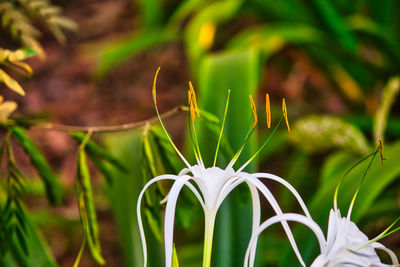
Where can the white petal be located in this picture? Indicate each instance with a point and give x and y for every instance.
(332, 230)
(271, 199)
(227, 189)
(138, 212)
(256, 220)
(283, 218)
(288, 186)
(195, 192)
(393, 256)
(184, 171)
(170, 215)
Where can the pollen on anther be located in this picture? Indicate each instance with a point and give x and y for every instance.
(284, 110)
(194, 99)
(253, 108)
(191, 106)
(268, 110)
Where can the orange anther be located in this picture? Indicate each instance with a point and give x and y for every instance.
(194, 99)
(268, 110)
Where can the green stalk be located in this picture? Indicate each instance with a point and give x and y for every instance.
(208, 238)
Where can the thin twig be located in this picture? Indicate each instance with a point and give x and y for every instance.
(103, 129)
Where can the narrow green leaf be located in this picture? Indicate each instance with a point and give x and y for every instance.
(52, 184)
(95, 150)
(167, 162)
(332, 21)
(21, 240)
(85, 187)
(152, 13)
(103, 167)
(125, 48)
(272, 38)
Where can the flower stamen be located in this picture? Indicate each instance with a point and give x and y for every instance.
(268, 110)
(162, 124)
(284, 110)
(222, 127)
(194, 100)
(253, 108)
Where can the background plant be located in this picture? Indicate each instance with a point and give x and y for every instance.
(335, 57)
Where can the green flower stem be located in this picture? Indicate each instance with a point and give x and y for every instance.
(208, 237)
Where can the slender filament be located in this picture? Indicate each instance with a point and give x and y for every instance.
(222, 128)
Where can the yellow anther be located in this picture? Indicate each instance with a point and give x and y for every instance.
(253, 108)
(191, 106)
(268, 110)
(284, 110)
(194, 99)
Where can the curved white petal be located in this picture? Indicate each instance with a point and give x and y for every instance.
(170, 215)
(283, 218)
(195, 192)
(184, 171)
(274, 204)
(227, 189)
(138, 210)
(393, 256)
(256, 220)
(288, 186)
(332, 229)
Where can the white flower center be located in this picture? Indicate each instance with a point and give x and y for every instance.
(211, 182)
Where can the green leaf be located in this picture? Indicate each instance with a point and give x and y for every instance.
(152, 13)
(39, 252)
(332, 21)
(94, 150)
(52, 184)
(124, 194)
(84, 187)
(114, 53)
(21, 239)
(165, 161)
(272, 38)
(321, 133)
(104, 168)
(239, 72)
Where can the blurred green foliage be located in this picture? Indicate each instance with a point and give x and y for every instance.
(355, 45)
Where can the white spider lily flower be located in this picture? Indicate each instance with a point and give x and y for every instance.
(346, 245)
(211, 186)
